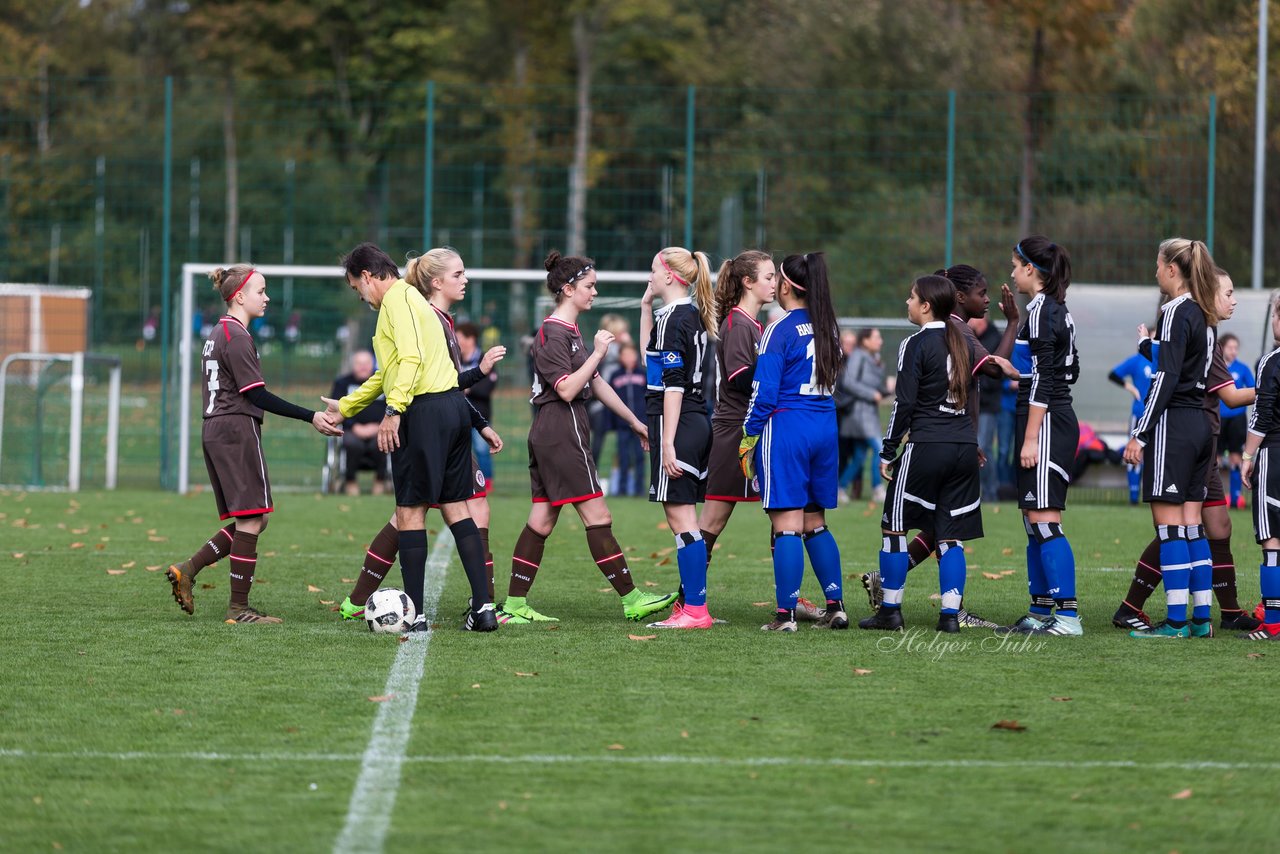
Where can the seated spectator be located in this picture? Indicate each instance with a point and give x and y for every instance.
(360, 433)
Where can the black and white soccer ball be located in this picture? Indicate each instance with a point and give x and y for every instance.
(389, 610)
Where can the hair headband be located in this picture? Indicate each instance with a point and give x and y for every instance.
(243, 282)
(578, 275)
(1024, 257)
(671, 271)
(791, 281)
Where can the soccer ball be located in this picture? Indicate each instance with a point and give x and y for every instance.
(389, 610)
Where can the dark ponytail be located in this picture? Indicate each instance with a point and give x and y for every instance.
(809, 274)
(1051, 261)
(940, 294)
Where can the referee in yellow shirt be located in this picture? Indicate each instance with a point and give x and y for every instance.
(427, 427)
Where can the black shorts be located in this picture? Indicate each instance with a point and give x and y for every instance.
(1176, 460)
(725, 481)
(1266, 495)
(1214, 496)
(561, 469)
(1044, 486)
(693, 452)
(433, 463)
(1234, 431)
(935, 487)
(232, 447)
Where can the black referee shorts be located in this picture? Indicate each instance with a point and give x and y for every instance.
(433, 463)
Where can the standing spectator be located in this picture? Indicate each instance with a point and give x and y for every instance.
(629, 382)
(480, 394)
(988, 408)
(864, 377)
(360, 432)
(1234, 419)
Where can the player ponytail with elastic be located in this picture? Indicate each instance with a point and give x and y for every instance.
(1198, 270)
(230, 281)
(940, 293)
(808, 276)
(693, 270)
(1051, 262)
(730, 281)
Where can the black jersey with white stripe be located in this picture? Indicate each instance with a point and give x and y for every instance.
(923, 403)
(676, 352)
(1182, 364)
(1264, 421)
(1047, 341)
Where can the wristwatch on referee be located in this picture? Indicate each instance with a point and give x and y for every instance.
(392, 412)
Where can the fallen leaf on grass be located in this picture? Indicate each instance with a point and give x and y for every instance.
(1007, 572)
(684, 733)
(19, 555)
(158, 539)
(1061, 699)
(663, 526)
(348, 581)
(862, 671)
(326, 601)
(935, 596)
(1180, 796)
(76, 546)
(311, 588)
(1254, 654)
(99, 547)
(664, 561)
(115, 572)
(1006, 552)
(130, 565)
(642, 637)
(762, 604)
(993, 576)
(403, 638)
(651, 584)
(604, 590)
(553, 628)
(207, 586)
(381, 698)
(615, 747)
(519, 673)
(475, 685)
(156, 567)
(1009, 725)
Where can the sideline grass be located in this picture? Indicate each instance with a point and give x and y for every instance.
(98, 665)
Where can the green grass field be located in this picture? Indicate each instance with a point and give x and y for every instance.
(128, 725)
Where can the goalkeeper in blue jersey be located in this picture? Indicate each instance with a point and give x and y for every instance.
(790, 437)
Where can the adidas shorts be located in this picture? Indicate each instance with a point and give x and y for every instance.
(1176, 460)
(1044, 486)
(797, 460)
(693, 452)
(1266, 496)
(935, 487)
(724, 474)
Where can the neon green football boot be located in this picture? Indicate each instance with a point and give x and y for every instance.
(348, 610)
(636, 605)
(517, 612)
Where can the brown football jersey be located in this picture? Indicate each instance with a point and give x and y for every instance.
(558, 351)
(1218, 377)
(735, 353)
(230, 366)
(450, 338)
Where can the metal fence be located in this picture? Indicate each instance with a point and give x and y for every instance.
(111, 184)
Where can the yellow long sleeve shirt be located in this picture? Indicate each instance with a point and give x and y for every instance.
(413, 357)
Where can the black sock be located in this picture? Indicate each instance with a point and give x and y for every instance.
(471, 553)
(413, 564)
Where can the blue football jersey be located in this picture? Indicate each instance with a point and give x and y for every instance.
(786, 374)
(1138, 369)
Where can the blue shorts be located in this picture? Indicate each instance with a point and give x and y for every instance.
(796, 460)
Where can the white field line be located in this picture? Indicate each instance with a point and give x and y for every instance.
(374, 797)
(659, 759)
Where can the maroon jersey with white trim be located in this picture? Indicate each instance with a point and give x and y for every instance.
(736, 352)
(450, 338)
(1217, 377)
(558, 351)
(229, 366)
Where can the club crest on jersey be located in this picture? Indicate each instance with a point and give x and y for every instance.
(672, 359)
(573, 348)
